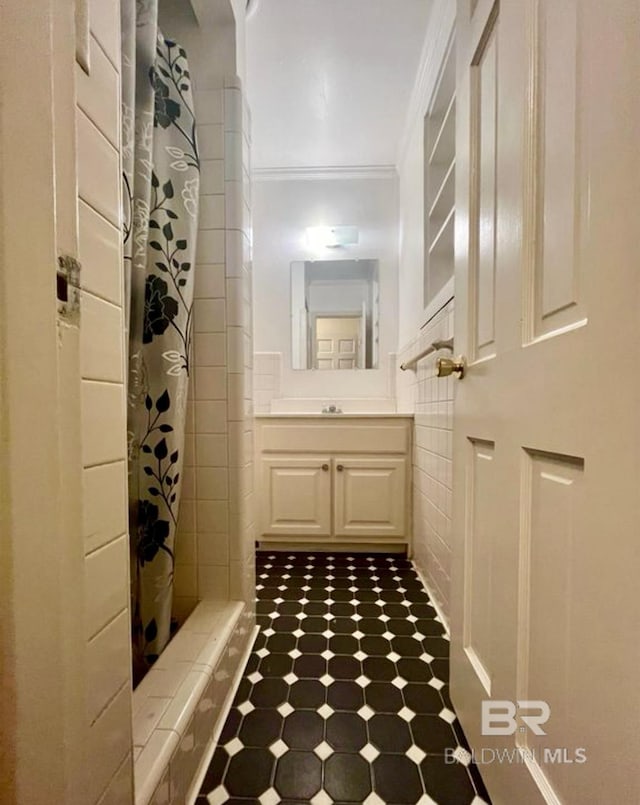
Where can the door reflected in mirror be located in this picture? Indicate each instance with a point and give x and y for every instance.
(335, 315)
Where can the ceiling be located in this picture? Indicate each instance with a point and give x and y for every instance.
(329, 81)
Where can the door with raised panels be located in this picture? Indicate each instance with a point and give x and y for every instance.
(545, 616)
(370, 497)
(296, 496)
(336, 342)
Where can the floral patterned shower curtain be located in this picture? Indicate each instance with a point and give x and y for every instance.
(161, 179)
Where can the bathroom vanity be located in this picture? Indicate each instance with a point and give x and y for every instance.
(334, 481)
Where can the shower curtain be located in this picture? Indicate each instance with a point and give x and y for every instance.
(161, 172)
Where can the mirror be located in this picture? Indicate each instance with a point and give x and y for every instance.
(335, 311)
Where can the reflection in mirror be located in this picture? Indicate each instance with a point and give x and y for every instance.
(335, 308)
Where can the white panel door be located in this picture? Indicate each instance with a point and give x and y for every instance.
(370, 497)
(296, 495)
(336, 342)
(547, 418)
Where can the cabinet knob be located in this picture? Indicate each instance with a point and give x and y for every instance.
(340, 467)
(325, 468)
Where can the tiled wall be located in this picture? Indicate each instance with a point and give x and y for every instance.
(214, 549)
(431, 400)
(268, 396)
(108, 661)
(267, 380)
(179, 704)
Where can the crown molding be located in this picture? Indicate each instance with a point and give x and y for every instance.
(324, 173)
(437, 41)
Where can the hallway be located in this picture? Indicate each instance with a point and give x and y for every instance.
(345, 695)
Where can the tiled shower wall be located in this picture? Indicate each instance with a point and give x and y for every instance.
(431, 400)
(215, 543)
(267, 380)
(106, 583)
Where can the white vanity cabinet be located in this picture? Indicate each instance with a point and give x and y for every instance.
(343, 479)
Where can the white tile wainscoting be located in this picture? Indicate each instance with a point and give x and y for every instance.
(430, 399)
(214, 556)
(271, 397)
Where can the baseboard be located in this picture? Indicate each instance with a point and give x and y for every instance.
(441, 616)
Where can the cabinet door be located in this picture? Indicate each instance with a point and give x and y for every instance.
(370, 497)
(296, 496)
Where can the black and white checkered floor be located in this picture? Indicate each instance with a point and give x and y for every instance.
(345, 697)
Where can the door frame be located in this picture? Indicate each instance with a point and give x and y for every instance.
(42, 641)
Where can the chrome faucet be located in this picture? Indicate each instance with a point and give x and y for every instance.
(331, 409)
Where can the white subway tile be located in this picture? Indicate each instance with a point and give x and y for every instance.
(233, 156)
(209, 282)
(106, 584)
(148, 712)
(213, 549)
(233, 110)
(98, 171)
(213, 483)
(162, 794)
(234, 204)
(213, 581)
(212, 515)
(209, 316)
(100, 255)
(152, 762)
(108, 664)
(211, 383)
(212, 213)
(101, 340)
(209, 106)
(183, 704)
(184, 761)
(104, 20)
(187, 517)
(211, 176)
(185, 550)
(234, 245)
(98, 94)
(185, 580)
(189, 449)
(235, 303)
(164, 682)
(210, 350)
(235, 349)
(211, 451)
(120, 788)
(104, 503)
(211, 416)
(237, 385)
(211, 142)
(103, 422)
(108, 744)
(211, 246)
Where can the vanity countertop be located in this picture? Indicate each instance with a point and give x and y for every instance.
(367, 415)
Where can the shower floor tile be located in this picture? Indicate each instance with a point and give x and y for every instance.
(345, 697)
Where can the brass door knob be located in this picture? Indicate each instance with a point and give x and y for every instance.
(451, 366)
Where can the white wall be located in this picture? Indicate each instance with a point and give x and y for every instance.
(281, 212)
(430, 399)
